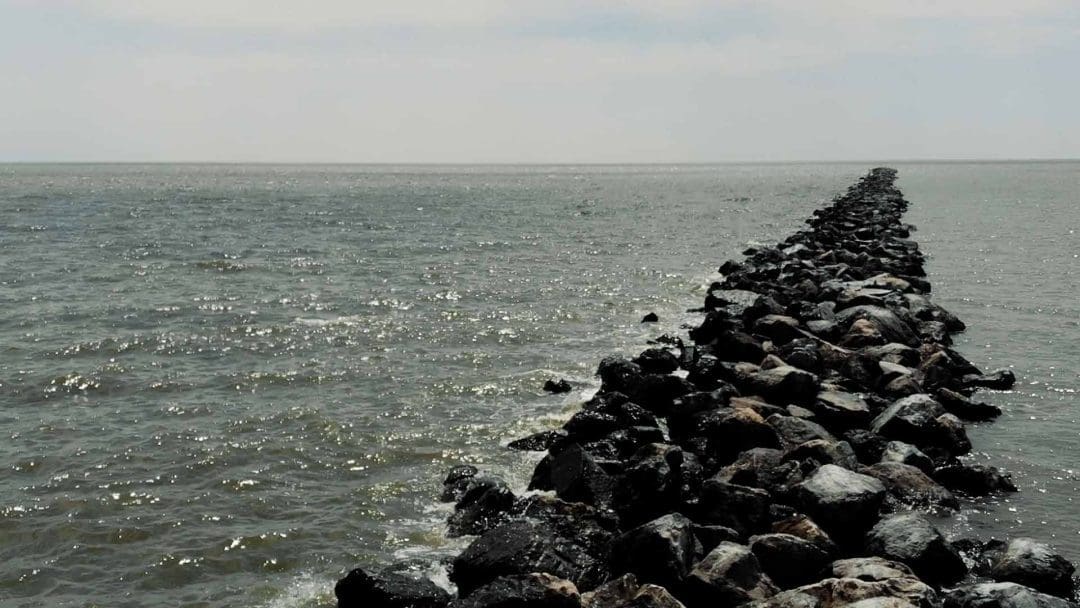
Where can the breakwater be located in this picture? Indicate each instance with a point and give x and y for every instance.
(782, 456)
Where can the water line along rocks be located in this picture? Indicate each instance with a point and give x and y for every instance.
(786, 456)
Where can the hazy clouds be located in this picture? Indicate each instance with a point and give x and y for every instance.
(487, 81)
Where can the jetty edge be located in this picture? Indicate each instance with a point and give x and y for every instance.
(786, 455)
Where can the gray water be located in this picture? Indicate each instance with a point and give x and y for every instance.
(228, 385)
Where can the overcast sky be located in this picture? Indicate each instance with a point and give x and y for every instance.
(542, 81)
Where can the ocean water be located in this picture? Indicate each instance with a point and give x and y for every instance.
(228, 385)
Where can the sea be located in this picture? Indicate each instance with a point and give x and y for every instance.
(228, 385)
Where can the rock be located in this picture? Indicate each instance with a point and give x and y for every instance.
(522, 547)
(619, 375)
(1001, 595)
(718, 436)
(613, 593)
(910, 486)
(844, 592)
(900, 354)
(780, 329)
(911, 539)
(660, 551)
(535, 590)
(650, 318)
(1036, 565)
(805, 528)
(728, 576)
(457, 481)
(843, 502)
(657, 361)
(538, 442)
(1001, 380)
(360, 589)
(868, 445)
(824, 452)
(757, 468)
(789, 561)
(483, 504)
(709, 536)
(783, 384)
(973, 479)
(913, 420)
(651, 485)
(955, 435)
(560, 386)
(869, 569)
(905, 453)
(653, 596)
(964, 408)
(885, 321)
(741, 508)
(841, 409)
(793, 431)
(587, 526)
(578, 478)
(738, 346)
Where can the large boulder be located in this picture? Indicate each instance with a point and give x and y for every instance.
(869, 569)
(729, 575)
(845, 592)
(891, 327)
(535, 590)
(577, 477)
(905, 453)
(651, 485)
(910, 486)
(910, 538)
(523, 547)
(964, 407)
(845, 410)
(789, 561)
(718, 436)
(914, 420)
(794, 431)
(483, 504)
(783, 384)
(362, 589)
(1002, 595)
(973, 479)
(1036, 565)
(741, 508)
(660, 551)
(803, 527)
(844, 502)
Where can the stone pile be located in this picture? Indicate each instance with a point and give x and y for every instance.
(787, 455)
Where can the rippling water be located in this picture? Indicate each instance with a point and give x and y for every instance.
(226, 385)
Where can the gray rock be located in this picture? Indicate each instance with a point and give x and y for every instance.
(789, 561)
(910, 538)
(905, 453)
(1002, 595)
(869, 569)
(842, 409)
(884, 320)
(1036, 565)
(728, 576)
(660, 551)
(794, 431)
(843, 592)
(803, 527)
(824, 452)
(912, 487)
(842, 501)
(913, 420)
(652, 596)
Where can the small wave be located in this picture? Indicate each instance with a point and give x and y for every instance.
(222, 265)
(305, 591)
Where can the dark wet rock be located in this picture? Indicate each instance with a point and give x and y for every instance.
(1001, 595)
(656, 393)
(793, 431)
(522, 547)
(845, 592)
(955, 435)
(843, 502)
(869, 569)
(905, 453)
(842, 409)
(973, 479)
(825, 329)
(912, 487)
(650, 318)
(902, 386)
(824, 452)
(784, 384)
(805, 528)
(923, 309)
(589, 527)
(755, 467)
(709, 536)
(933, 331)
(613, 593)
(657, 361)
(718, 436)
(651, 485)
(741, 508)
(701, 401)
(781, 329)
(660, 551)
(868, 445)
(891, 328)
(361, 589)
(560, 386)
(738, 346)
(965, 408)
(457, 481)
(910, 538)
(483, 504)
(913, 420)
(800, 412)
(802, 353)
(1001, 380)
(789, 561)
(577, 477)
(619, 374)
(538, 442)
(729, 575)
(535, 590)
(1033, 564)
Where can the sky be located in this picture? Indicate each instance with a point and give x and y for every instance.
(488, 81)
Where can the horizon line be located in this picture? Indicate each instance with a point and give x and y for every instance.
(541, 163)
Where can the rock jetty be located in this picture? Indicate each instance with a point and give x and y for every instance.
(787, 455)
